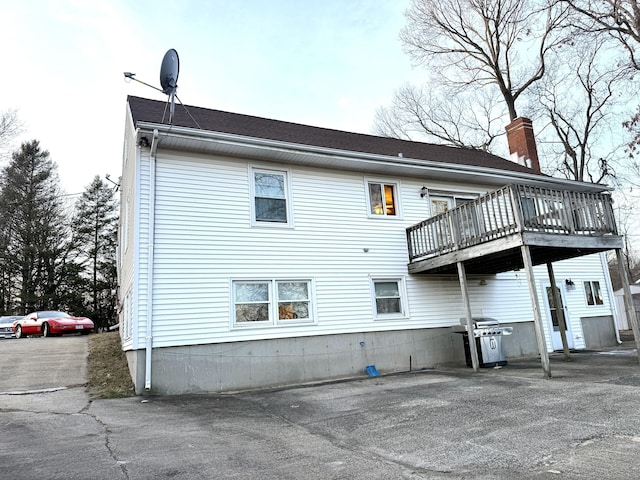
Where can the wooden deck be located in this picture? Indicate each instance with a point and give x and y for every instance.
(487, 233)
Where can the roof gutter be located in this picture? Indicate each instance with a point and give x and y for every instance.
(312, 155)
(152, 201)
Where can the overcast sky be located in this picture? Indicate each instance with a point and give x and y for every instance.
(328, 63)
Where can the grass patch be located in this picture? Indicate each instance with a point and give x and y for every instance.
(107, 370)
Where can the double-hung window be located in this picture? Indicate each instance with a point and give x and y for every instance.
(271, 202)
(389, 298)
(271, 302)
(383, 199)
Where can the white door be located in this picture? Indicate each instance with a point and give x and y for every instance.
(552, 317)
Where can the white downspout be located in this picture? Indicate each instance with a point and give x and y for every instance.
(612, 298)
(152, 203)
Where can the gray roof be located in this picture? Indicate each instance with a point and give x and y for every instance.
(154, 111)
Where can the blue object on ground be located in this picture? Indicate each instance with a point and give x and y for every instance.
(372, 371)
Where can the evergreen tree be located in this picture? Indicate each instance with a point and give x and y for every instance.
(95, 225)
(34, 233)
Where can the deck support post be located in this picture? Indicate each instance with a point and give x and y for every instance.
(557, 301)
(537, 318)
(473, 351)
(632, 318)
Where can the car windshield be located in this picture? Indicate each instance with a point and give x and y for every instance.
(52, 314)
(9, 319)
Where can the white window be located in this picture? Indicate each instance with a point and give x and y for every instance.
(124, 232)
(383, 199)
(440, 205)
(252, 301)
(593, 293)
(389, 298)
(271, 202)
(127, 315)
(271, 302)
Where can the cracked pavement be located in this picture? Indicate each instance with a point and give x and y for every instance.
(446, 423)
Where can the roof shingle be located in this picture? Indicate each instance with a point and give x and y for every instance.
(154, 111)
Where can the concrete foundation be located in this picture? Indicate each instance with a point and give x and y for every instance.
(291, 361)
(599, 331)
(251, 365)
(522, 343)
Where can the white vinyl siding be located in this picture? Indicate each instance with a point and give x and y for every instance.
(204, 239)
(134, 229)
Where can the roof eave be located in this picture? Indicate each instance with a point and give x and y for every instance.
(207, 141)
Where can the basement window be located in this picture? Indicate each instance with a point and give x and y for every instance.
(272, 302)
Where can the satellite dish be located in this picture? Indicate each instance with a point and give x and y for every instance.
(169, 71)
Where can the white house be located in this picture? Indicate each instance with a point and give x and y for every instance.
(258, 253)
(623, 322)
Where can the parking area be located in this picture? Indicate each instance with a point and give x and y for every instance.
(445, 423)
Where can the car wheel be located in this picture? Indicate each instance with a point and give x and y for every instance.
(18, 331)
(46, 331)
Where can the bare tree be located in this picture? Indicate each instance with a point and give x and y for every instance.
(619, 19)
(579, 101)
(482, 57)
(444, 115)
(479, 43)
(10, 128)
(627, 223)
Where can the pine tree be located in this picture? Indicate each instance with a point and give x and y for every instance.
(94, 225)
(34, 232)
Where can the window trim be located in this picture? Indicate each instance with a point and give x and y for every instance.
(286, 172)
(380, 181)
(402, 291)
(274, 320)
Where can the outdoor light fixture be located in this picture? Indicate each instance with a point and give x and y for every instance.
(569, 283)
(423, 191)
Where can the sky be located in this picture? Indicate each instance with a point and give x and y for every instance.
(328, 63)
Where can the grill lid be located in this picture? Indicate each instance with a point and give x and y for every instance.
(481, 322)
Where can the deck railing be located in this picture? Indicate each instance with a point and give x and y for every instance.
(512, 209)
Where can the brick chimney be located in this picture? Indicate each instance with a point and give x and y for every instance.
(522, 143)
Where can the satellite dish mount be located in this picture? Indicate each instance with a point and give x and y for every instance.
(169, 71)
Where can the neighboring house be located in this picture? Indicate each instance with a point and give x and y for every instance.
(623, 322)
(257, 253)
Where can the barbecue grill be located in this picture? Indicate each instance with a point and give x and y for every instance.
(488, 335)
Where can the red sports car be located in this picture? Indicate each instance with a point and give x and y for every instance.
(51, 323)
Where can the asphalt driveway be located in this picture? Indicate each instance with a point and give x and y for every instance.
(447, 423)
